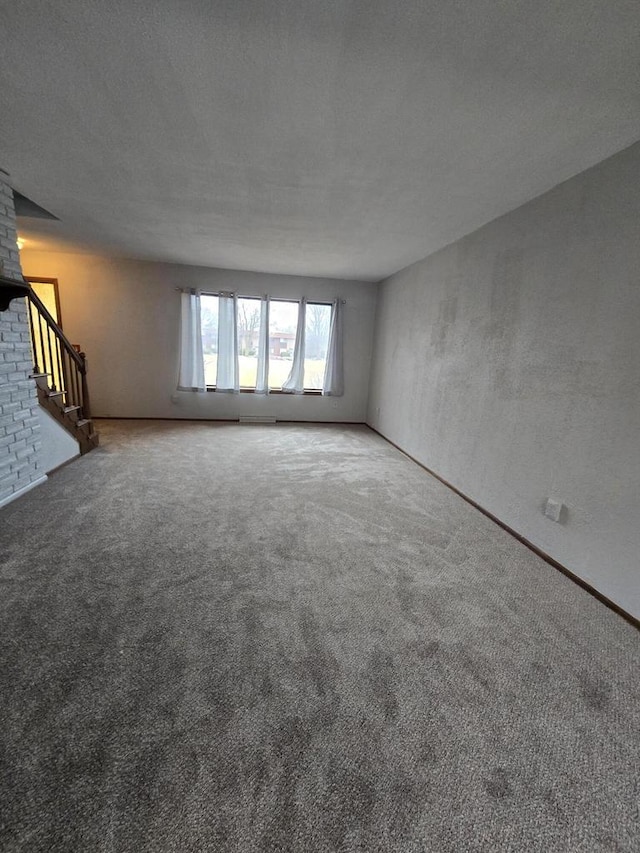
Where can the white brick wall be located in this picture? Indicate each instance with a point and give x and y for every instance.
(19, 425)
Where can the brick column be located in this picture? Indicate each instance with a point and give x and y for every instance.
(19, 424)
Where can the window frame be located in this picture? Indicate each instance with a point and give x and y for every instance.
(307, 392)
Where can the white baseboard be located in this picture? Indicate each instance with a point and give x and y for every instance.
(23, 490)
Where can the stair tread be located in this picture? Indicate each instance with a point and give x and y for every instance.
(83, 422)
(55, 394)
(69, 408)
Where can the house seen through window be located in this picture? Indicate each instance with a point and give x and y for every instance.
(283, 321)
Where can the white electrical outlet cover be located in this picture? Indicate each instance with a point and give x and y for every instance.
(553, 509)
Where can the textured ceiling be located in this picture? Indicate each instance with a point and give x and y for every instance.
(313, 137)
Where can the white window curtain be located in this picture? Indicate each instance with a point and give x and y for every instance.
(191, 370)
(228, 372)
(262, 378)
(294, 383)
(333, 384)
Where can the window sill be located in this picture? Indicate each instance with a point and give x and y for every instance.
(306, 393)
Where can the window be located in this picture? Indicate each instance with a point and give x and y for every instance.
(283, 323)
(209, 326)
(318, 322)
(248, 340)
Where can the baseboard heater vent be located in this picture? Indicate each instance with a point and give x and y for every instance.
(256, 419)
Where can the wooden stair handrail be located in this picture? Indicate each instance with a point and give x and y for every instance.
(57, 331)
(59, 371)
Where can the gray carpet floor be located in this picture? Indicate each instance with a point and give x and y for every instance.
(218, 637)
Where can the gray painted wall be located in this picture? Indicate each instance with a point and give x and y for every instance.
(509, 363)
(58, 446)
(125, 316)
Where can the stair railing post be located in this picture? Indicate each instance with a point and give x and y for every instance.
(86, 408)
(36, 367)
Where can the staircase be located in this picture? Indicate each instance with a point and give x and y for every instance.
(60, 373)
